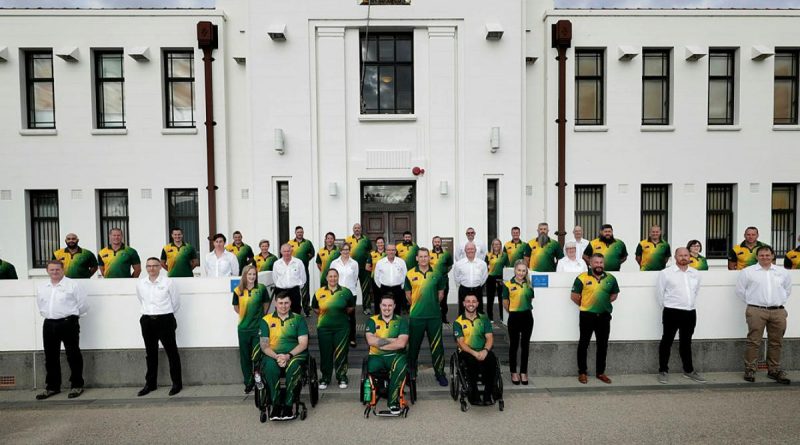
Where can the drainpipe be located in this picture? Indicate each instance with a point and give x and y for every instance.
(207, 39)
(562, 40)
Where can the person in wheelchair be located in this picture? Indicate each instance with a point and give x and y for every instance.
(284, 342)
(387, 337)
(473, 333)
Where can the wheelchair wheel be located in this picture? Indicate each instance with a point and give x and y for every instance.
(453, 392)
(303, 413)
(364, 376)
(498, 384)
(313, 382)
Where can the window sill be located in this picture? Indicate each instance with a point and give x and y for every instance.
(109, 131)
(179, 130)
(38, 131)
(37, 273)
(786, 128)
(387, 117)
(723, 128)
(656, 128)
(590, 129)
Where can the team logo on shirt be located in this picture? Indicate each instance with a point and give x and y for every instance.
(272, 325)
(464, 326)
(377, 327)
(415, 279)
(589, 283)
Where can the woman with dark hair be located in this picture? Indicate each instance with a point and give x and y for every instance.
(697, 261)
(517, 297)
(333, 305)
(220, 262)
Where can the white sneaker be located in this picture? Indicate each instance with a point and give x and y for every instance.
(323, 386)
(342, 385)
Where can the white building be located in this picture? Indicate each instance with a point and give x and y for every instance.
(442, 92)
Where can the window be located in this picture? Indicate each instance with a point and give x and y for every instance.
(589, 86)
(589, 208)
(655, 87)
(179, 88)
(44, 225)
(109, 81)
(721, 72)
(283, 211)
(491, 209)
(786, 79)
(39, 89)
(719, 220)
(113, 213)
(387, 73)
(655, 209)
(182, 212)
(784, 218)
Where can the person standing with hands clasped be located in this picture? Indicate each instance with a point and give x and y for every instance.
(250, 302)
(517, 300)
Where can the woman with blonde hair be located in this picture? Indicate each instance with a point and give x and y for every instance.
(250, 301)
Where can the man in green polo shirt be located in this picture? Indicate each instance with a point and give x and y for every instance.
(387, 337)
(78, 262)
(543, 252)
(265, 259)
(243, 252)
(424, 290)
(653, 253)
(613, 250)
(744, 254)
(360, 250)
(179, 258)
(516, 249)
(473, 333)
(118, 260)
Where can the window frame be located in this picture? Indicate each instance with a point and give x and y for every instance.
(795, 82)
(49, 243)
(169, 121)
(492, 209)
(107, 222)
(660, 192)
(99, 81)
(598, 214)
(177, 220)
(789, 214)
(730, 80)
(599, 53)
(30, 84)
(284, 230)
(363, 49)
(665, 78)
(726, 194)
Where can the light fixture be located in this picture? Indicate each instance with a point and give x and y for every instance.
(68, 53)
(333, 188)
(280, 143)
(695, 53)
(386, 79)
(277, 32)
(494, 139)
(139, 53)
(760, 52)
(442, 187)
(626, 53)
(241, 60)
(494, 31)
(3, 54)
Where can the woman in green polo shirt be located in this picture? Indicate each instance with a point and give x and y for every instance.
(250, 301)
(496, 260)
(696, 260)
(333, 304)
(517, 297)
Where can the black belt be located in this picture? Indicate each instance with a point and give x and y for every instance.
(468, 288)
(59, 320)
(389, 287)
(156, 317)
(771, 308)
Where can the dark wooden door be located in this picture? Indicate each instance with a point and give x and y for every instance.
(389, 225)
(388, 209)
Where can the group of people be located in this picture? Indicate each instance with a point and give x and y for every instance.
(416, 279)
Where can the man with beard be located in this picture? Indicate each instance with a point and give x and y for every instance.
(744, 254)
(480, 247)
(593, 292)
(442, 262)
(613, 250)
(243, 252)
(544, 252)
(473, 333)
(360, 250)
(516, 249)
(78, 262)
(470, 273)
(407, 250)
(325, 257)
(179, 258)
(303, 250)
(653, 253)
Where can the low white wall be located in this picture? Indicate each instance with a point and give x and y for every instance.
(206, 318)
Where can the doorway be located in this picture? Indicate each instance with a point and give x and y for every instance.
(388, 209)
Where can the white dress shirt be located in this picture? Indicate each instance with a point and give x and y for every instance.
(470, 273)
(480, 250)
(61, 300)
(390, 273)
(580, 247)
(226, 265)
(764, 287)
(158, 297)
(677, 289)
(567, 265)
(348, 273)
(287, 276)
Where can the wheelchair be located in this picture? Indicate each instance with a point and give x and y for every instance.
(379, 388)
(459, 384)
(308, 378)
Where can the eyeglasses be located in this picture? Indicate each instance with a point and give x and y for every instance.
(470, 233)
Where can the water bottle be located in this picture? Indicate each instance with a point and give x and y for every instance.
(259, 384)
(367, 390)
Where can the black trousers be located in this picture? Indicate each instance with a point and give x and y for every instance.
(494, 288)
(681, 322)
(463, 291)
(161, 328)
(520, 328)
(599, 325)
(486, 369)
(443, 302)
(400, 302)
(54, 332)
(294, 295)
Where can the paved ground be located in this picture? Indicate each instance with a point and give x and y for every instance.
(635, 409)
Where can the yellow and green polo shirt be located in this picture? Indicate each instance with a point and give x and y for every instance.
(790, 261)
(516, 251)
(396, 327)
(496, 263)
(7, 271)
(118, 264)
(424, 288)
(332, 307)
(654, 255)
(78, 264)
(519, 295)
(324, 259)
(408, 252)
(441, 262)
(251, 306)
(612, 253)
(179, 259)
(376, 256)
(699, 262)
(243, 253)
(595, 292)
(544, 258)
(283, 335)
(302, 250)
(743, 255)
(472, 331)
(265, 264)
(360, 249)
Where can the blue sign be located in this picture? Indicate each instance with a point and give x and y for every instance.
(234, 283)
(540, 280)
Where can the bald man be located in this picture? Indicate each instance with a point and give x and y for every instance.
(78, 262)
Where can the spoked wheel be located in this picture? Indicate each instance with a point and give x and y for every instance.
(453, 392)
(313, 382)
(464, 406)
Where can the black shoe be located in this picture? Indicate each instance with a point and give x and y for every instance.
(175, 389)
(353, 343)
(75, 392)
(749, 375)
(248, 388)
(779, 376)
(145, 391)
(275, 412)
(46, 394)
